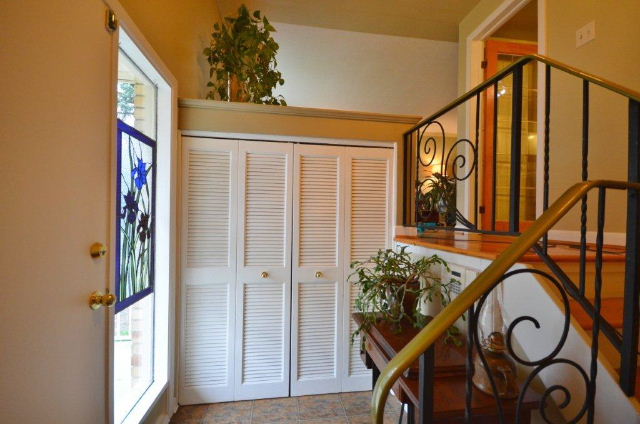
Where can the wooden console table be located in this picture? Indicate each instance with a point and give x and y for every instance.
(442, 393)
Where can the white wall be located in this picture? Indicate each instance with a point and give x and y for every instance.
(335, 69)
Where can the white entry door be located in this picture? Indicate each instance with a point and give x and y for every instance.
(317, 269)
(263, 299)
(55, 197)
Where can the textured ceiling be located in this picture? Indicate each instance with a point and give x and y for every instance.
(430, 19)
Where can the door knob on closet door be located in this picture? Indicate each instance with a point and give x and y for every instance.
(318, 274)
(264, 274)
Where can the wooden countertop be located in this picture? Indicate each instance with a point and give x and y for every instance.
(491, 246)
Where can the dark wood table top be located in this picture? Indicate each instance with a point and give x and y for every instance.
(383, 342)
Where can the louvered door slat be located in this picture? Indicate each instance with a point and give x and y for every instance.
(318, 177)
(208, 205)
(368, 223)
(317, 313)
(209, 176)
(263, 335)
(207, 348)
(265, 209)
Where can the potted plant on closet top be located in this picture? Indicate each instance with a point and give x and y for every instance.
(242, 59)
(392, 285)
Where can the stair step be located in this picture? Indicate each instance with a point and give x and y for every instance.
(611, 311)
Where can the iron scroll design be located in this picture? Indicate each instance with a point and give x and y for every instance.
(432, 146)
(539, 365)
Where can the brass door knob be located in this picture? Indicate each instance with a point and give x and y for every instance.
(318, 274)
(264, 274)
(97, 250)
(97, 299)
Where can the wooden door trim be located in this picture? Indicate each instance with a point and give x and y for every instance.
(492, 49)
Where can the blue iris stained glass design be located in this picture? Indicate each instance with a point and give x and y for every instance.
(136, 215)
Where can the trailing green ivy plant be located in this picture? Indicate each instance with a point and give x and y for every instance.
(242, 59)
(385, 280)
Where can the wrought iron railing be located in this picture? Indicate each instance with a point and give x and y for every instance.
(425, 143)
(473, 297)
(422, 147)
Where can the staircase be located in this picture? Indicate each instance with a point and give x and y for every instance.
(598, 325)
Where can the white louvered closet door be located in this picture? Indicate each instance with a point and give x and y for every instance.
(317, 270)
(264, 270)
(208, 259)
(368, 228)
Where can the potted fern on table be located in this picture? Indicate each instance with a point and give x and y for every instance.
(392, 285)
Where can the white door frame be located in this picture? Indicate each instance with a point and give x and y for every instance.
(474, 75)
(167, 158)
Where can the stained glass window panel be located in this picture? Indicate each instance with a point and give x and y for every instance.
(136, 215)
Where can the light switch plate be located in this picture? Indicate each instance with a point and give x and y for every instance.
(586, 34)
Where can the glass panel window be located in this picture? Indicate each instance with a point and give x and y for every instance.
(529, 141)
(136, 97)
(134, 341)
(133, 355)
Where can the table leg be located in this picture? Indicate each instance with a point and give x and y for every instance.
(375, 372)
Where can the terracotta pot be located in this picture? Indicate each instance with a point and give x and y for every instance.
(235, 90)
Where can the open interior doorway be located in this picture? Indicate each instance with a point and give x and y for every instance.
(514, 38)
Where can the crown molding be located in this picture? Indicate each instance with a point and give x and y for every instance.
(298, 111)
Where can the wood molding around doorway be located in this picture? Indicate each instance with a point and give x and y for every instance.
(493, 48)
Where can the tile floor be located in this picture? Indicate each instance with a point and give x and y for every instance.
(343, 408)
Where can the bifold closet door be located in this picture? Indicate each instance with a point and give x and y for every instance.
(208, 258)
(263, 290)
(368, 223)
(317, 269)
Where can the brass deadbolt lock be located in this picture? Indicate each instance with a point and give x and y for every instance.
(98, 250)
(318, 274)
(97, 300)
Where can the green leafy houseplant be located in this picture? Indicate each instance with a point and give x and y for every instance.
(392, 284)
(242, 59)
(436, 200)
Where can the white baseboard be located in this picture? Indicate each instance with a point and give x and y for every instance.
(619, 239)
(173, 405)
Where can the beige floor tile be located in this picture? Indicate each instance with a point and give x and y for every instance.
(334, 420)
(190, 413)
(281, 410)
(366, 419)
(229, 413)
(356, 403)
(321, 406)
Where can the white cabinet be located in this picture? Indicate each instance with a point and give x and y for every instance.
(269, 230)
